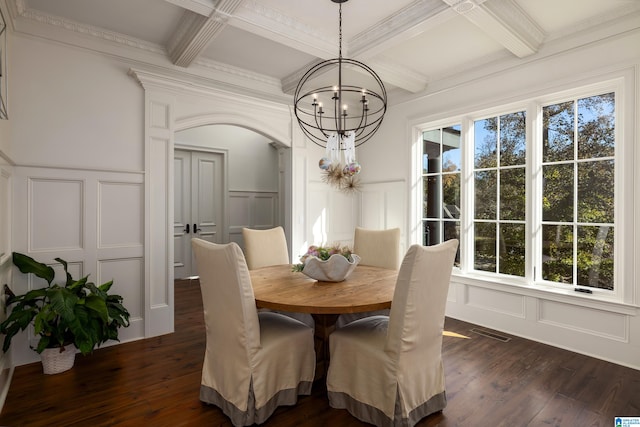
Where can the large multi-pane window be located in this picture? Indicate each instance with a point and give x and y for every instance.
(539, 193)
(499, 220)
(441, 185)
(578, 163)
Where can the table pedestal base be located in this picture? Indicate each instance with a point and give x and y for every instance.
(325, 324)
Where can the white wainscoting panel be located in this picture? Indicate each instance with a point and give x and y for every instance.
(331, 215)
(501, 302)
(91, 219)
(265, 210)
(605, 324)
(159, 115)
(120, 214)
(56, 215)
(318, 205)
(240, 205)
(158, 250)
(382, 206)
(251, 210)
(127, 275)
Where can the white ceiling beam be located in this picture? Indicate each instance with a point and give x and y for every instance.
(256, 18)
(413, 20)
(401, 77)
(504, 21)
(196, 31)
(201, 7)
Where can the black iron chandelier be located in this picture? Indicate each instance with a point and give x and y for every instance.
(340, 114)
(342, 106)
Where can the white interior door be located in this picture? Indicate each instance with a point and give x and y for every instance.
(198, 204)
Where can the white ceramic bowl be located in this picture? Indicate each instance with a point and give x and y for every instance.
(335, 269)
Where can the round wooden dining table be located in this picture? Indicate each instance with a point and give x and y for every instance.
(366, 289)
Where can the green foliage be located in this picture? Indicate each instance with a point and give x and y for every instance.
(79, 312)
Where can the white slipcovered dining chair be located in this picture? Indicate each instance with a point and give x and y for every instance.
(264, 248)
(387, 370)
(377, 248)
(254, 362)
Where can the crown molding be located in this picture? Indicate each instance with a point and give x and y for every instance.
(86, 30)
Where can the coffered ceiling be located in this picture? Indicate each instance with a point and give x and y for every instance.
(266, 45)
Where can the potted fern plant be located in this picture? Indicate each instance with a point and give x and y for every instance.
(76, 314)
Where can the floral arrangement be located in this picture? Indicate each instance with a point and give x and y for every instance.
(323, 253)
(342, 178)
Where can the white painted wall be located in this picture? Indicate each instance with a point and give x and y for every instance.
(73, 108)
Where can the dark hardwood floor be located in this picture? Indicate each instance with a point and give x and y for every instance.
(155, 382)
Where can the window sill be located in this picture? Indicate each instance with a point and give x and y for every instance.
(596, 301)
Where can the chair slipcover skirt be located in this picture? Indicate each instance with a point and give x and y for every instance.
(254, 362)
(387, 370)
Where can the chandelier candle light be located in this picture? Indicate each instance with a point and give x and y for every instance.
(340, 117)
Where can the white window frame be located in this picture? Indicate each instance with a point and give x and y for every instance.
(623, 297)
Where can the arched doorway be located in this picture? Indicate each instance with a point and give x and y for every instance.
(226, 177)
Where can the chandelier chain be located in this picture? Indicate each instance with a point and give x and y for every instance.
(340, 31)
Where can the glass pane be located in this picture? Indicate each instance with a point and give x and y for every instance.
(431, 233)
(512, 194)
(485, 247)
(431, 201)
(557, 193)
(451, 195)
(485, 195)
(452, 231)
(595, 191)
(557, 253)
(595, 257)
(513, 142)
(431, 142)
(596, 125)
(512, 249)
(557, 132)
(451, 149)
(485, 142)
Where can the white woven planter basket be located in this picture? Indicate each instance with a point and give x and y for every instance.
(54, 361)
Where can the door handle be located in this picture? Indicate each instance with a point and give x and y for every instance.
(186, 229)
(195, 228)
